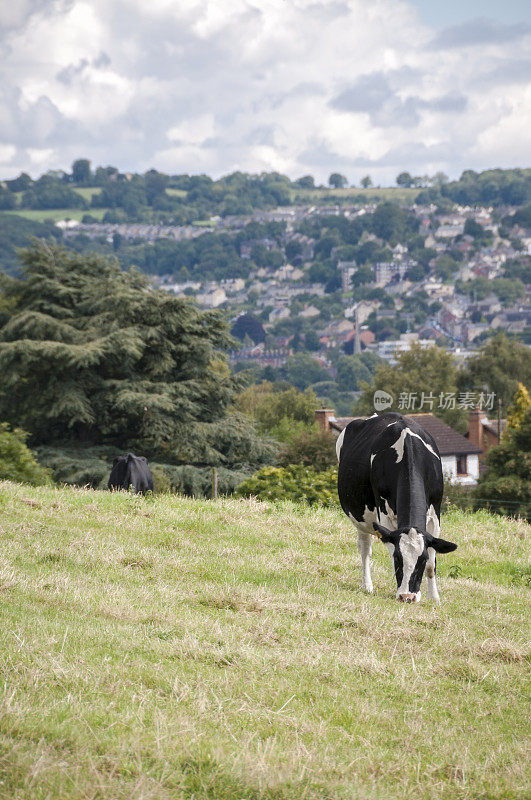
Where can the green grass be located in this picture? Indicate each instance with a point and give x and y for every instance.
(87, 192)
(373, 194)
(176, 192)
(177, 648)
(41, 215)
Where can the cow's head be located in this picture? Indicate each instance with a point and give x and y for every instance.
(409, 549)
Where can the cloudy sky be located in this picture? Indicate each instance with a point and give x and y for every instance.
(297, 86)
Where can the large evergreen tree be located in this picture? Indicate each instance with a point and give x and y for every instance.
(90, 353)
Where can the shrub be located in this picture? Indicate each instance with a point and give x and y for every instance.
(295, 482)
(312, 447)
(161, 481)
(78, 465)
(17, 462)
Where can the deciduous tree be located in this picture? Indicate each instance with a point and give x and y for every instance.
(498, 367)
(419, 374)
(404, 179)
(337, 181)
(81, 172)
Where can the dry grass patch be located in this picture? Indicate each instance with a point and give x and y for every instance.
(178, 648)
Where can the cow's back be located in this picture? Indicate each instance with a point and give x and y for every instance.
(376, 457)
(354, 471)
(140, 474)
(130, 470)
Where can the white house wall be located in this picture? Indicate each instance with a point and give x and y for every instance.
(472, 466)
(449, 468)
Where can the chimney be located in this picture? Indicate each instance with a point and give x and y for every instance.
(322, 417)
(475, 428)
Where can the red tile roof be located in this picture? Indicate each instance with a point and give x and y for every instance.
(448, 441)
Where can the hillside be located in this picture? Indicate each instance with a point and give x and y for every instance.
(174, 648)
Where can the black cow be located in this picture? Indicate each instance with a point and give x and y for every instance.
(390, 484)
(130, 470)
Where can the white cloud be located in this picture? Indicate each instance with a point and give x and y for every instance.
(299, 86)
(40, 158)
(7, 153)
(194, 130)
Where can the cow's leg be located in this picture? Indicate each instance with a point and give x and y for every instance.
(432, 526)
(365, 548)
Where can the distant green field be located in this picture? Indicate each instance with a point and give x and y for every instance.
(397, 193)
(87, 192)
(41, 215)
(171, 648)
(204, 223)
(176, 192)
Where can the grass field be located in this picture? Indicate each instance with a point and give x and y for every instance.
(373, 194)
(173, 648)
(87, 192)
(41, 215)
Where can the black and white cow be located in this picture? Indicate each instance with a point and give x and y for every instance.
(130, 470)
(390, 484)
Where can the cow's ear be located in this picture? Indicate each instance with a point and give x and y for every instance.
(441, 545)
(385, 534)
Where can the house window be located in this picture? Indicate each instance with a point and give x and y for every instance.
(461, 465)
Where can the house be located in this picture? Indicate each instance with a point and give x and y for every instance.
(212, 298)
(429, 332)
(450, 318)
(387, 271)
(179, 288)
(482, 431)
(388, 348)
(512, 321)
(66, 224)
(232, 285)
(279, 313)
(336, 333)
(309, 311)
(459, 456)
(366, 337)
(437, 289)
(399, 251)
(307, 244)
(363, 310)
(289, 273)
(449, 231)
(347, 270)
